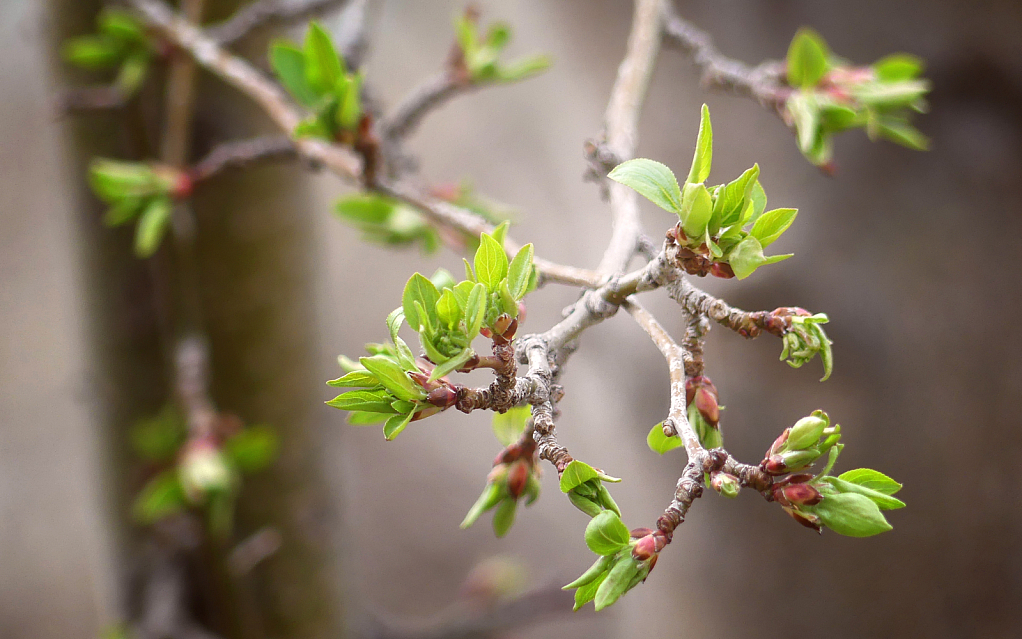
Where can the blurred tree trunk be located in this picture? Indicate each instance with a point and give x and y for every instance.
(255, 255)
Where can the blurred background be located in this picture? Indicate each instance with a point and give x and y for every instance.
(915, 257)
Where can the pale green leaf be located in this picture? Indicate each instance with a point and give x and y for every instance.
(652, 180)
(703, 157)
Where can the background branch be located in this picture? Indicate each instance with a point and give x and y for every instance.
(241, 153)
(265, 12)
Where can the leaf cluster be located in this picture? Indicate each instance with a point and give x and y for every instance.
(136, 191)
(831, 96)
(120, 42)
(722, 229)
(617, 570)
(386, 221)
(584, 487)
(481, 53)
(316, 76)
(805, 339)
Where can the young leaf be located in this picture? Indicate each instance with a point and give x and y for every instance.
(452, 364)
(253, 449)
(524, 68)
(392, 377)
(160, 497)
(576, 473)
(500, 233)
(606, 534)
(359, 418)
(884, 502)
(660, 443)
(587, 593)
(323, 66)
(158, 438)
(851, 515)
(872, 479)
(490, 262)
(599, 567)
(395, 425)
(898, 67)
(442, 279)
(355, 379)
(349, 112)
(652, 180)
(419, 289)
(92, 52)
(509, 426)
(369, 401)
(288, 63)
(771, 225)
(696, 210)
(152, 226)
(746, 257)
(735, 196)
(704, 149)
(121, 25)
(619, 580)
(475, 310)
(448, 310)
(807, 59)
(491, 496)
(519, 272)
(504, 518)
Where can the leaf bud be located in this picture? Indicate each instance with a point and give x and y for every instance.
(442, 397)
(779, 444)
(512, 328)
(807, 431)
(806, 519)
(501, 324)
(644, 548)
(798, 495)
(722, 270)
(706, 404)
(725, 484)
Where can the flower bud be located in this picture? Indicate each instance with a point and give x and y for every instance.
(725, 484)
(807, 431)
(521, 312)
(644, 548)
(636, 533)
(722, 270)
(806, 519)
(779, 444)
(798, 495)
(498, 474)
(442, 397)
(706, 404)
(517, 477)
(501, 324)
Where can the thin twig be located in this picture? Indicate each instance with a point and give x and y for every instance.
(622, 124)
(99, 97)
(763, 83)
(264, 12)
(429, 96)
(240, 153)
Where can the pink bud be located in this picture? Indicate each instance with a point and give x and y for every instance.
(798, 495)
(442, 397)
(706, 404)
(636, 533)
(722, 270)
(517, 478)
(645, 548)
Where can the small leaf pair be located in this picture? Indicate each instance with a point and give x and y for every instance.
(584, 486)
(722, 229)
(480, 54)
(385, 221)
(317, 77)
(515, 475)
(120, 41)
(506, 283)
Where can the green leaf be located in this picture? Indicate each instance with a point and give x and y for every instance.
(490, 262)
(500, 232)
(159, 438)
(892, 94)
(355, 379)
(349, 112)
(587, 593)
(160, 497)
(370, 401)
(113, 180)
(323, 66)
(619, 580)
(901, 132)
(152, 226)
(606, 534)
(253, 449)
(92, 52)
(132, 74)
(851, 515)
(756, 204)
(491, 496)
(359, 418)
(465, 32)
(807, 59)
(704, 149)
(123, 211)
(392, 377)
(576, 473)
(442, 279)
(504, 518)
(448, 310)
(652, 180)
(771, 225)
(524, 68)
(660, 443)
(498, 35)
(121, 25)
(288, 63)
(735, 197)
(452, 364)
(475, 310)
(509, 426)
(872, 479)
(520, 271)
(897, 67)
(746, 257)
(696, 210)
(804, 109)
(469, 273)
(599, 567)
(419, 289)
(395, 425)
(883, 501)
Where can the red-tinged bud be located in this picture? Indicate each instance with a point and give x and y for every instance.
(652, 563)
(800, 478)
(706, 404)
(645, 548)
(470, 364)
(775, 465)
(693, 384)
(517, 477)
(512, 328)
(443, 397)
(806, 519)
(798, 495)
(636, 533)
(521, 313)
(722, 270)
(485, 332)
(779, 443)
(725, 484)
(184, 184)
(426, 412)
(497, 474)
(508, 455)
(501, 324)
(685, 253)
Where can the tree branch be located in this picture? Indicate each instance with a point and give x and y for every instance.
(263, 12)
(763, 83)
(429, 96)
(240, 153)
(622, 124)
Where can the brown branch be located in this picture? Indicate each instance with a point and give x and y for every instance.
(622, 124)
(748, 324)
(764, 83)
(264, 12)
(241, 153)
(99, 97)
(431, 95)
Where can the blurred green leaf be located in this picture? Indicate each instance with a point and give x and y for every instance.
(509, 426)
(160, 497)
(807, 59)
(152, 226)
(288, 63)
(253, 449)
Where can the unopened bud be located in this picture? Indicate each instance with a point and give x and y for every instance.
(512, 328)
(636, 533)
(807, 431)
(521, 313)
(779, 444)
(501, 324)
(644, 548)
(806, 519)
(725, 484)
(203, 469)
(517, 478)
(722, 270)
(442, 397)
(798, 495)
(497, 474)
(706, 404)
(485, 332)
